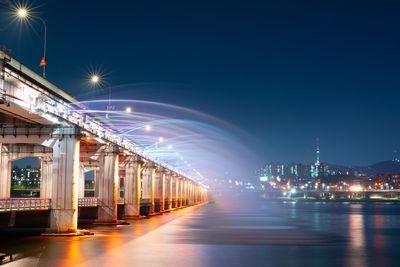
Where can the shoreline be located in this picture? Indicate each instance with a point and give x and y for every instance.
(334, 200)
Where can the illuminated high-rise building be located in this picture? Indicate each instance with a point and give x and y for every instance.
(317, 163)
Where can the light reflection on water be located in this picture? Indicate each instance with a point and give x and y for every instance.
(356, 249)
(243, 233)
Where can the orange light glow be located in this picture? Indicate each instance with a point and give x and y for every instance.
(75, 176)
(116, 182)
(163, 190)
(139, 171)
(153, 174)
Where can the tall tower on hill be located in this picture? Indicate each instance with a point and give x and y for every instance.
(315, 169)
(317, 162)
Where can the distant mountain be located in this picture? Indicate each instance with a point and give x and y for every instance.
(387, 166)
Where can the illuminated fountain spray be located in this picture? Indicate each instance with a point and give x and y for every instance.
(193, 143)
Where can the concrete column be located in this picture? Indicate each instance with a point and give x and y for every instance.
(122, 182)
(96, 181)
(148, 186)
(188, 193)
(81, 181)
(5, 172)
(46, 177)
(174, 191)
(159, 187)
(192, 193)
(107, 184)
(162, 190)
(185, 193)
(132, 189)
(180, 191)
(64, 200)
(168, 189)
(195, 193)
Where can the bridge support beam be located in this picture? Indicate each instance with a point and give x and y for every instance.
(162, 190)
(180, 191)
(159, 186)
(81, 181)
(46, 177)
(168, 190)
(5, 173)
(132, 189)
(107, 183)
(174, 195)
(64, 210)
(185, 193)
(148, 186)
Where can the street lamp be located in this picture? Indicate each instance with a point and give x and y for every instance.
(23, 13)
(96, 79)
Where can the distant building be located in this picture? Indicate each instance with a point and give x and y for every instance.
(25, 177)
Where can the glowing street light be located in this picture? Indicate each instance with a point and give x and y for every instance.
(169, 147)
(128, 109)
(161, 139)
(147, 128)
(95, 79)
(23, 13)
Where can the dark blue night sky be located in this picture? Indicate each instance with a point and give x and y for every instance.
(286, 72)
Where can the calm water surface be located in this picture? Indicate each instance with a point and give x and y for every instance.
(240, 231)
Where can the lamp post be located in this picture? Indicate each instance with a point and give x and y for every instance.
(96, 79)
(23, 13)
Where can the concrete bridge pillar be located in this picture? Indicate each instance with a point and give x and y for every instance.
(180, 191)
(168, 189)
(184, 195)
(132, 188)
(160, 187)
(148, 186)
(190, 193)
(5, 172)
(46, 177)
(81, 181)
(196, 194)
(64, 196)
(107, 184)
(187, 195)
(174, 179)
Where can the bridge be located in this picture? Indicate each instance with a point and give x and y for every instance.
(38, 119)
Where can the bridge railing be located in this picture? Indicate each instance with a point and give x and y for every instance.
(15, 204)
(87, 202)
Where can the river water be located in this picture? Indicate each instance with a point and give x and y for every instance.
(242, 230)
